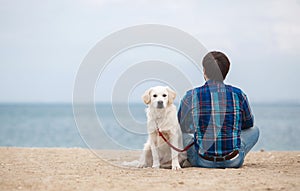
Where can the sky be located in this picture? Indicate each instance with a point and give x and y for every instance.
(43, 43)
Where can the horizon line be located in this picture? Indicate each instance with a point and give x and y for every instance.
(273, 103)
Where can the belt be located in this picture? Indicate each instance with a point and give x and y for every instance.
(218, 159)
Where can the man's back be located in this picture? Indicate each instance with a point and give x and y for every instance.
(216, 113)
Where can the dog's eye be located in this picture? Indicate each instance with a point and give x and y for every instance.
(154, 95)
(164, 95)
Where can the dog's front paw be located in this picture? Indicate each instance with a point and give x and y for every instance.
(176, 167)
(155, 166)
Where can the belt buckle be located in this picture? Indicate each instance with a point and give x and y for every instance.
(219, 159)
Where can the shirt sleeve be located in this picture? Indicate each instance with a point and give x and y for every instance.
(248, 119)
(184, 115)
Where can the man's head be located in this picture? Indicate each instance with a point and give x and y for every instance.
(215, 65)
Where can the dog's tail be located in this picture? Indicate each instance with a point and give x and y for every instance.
(134, 163)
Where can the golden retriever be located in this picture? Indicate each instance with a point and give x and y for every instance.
(162, 115)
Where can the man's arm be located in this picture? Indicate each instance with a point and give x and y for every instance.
(248, 119)
(184, 115)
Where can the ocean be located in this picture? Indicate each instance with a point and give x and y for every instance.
(123, 127)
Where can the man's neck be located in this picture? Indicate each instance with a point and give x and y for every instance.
(214, 81)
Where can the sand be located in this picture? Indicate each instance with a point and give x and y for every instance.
(81, 169)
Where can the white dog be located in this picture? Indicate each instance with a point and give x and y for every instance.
(162, 115)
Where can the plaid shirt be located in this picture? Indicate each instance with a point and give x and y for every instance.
(215, 113)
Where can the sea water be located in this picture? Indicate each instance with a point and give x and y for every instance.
(123, 127)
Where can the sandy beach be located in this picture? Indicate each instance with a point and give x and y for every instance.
(81, 169)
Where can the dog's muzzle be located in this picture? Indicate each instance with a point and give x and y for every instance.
(160, 104)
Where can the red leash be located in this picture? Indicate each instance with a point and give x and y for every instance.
(172, 146)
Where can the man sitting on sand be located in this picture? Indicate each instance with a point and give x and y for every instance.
(220, 118)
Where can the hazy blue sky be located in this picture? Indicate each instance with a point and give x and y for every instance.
(42, 43)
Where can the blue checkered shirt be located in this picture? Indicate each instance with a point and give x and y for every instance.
(215, 113)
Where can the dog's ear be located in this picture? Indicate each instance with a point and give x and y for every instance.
(146, 96)
(172, 95)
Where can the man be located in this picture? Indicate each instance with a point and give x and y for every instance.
(219, 118)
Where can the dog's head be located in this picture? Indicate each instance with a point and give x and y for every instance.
(159, 97)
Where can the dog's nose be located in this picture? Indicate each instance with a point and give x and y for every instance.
(160, 104)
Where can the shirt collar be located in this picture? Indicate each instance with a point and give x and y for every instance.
(211, 82)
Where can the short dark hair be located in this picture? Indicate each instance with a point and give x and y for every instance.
(216, 65)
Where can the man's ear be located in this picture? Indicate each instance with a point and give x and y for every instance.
(146, 96)
(172, 95)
